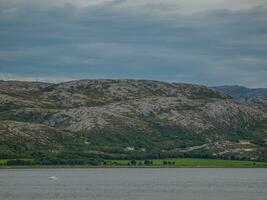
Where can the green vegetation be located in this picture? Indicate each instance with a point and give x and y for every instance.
(3, 161)
(176, 162)
(191, 162)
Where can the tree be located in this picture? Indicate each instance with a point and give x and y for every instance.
(148, 162)
(133, 162)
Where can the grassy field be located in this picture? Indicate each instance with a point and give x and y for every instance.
(3, 161)
(191, 162)
(176, 162)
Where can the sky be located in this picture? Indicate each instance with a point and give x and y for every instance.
(208, 42)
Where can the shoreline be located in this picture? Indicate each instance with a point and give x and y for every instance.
(156, 163)
(126, 167)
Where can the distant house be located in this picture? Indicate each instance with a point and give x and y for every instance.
(253, 158)
(248, 150)
(129, 148)
(244, 142)
(142, 149)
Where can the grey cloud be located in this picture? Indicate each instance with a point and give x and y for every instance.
(106, 41)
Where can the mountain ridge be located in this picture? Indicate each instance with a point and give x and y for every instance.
(102, 118)
(241, 92)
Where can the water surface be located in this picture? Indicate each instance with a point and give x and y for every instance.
(134, 184)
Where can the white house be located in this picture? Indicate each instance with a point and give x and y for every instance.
(244, 142)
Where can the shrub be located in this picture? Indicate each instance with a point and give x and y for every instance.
(19, 162)
(148, 162)
(133, 162)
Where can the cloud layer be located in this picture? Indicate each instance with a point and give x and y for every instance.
(201, 41)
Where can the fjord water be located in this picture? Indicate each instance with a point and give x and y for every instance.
(133, 184)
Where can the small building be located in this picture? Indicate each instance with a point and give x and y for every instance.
(129, 148)
(248, 150)
(142, 149)
(244, 142)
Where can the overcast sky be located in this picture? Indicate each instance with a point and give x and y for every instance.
(210, 42)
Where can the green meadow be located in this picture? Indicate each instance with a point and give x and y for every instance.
(189, 162)
(3, 161)
(175, 162)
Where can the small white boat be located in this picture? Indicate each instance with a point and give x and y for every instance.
(53, 178)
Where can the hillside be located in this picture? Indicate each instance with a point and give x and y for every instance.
(240, 92)
(95, 119)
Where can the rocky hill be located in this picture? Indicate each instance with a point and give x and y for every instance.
(126, 118)
(240, 92)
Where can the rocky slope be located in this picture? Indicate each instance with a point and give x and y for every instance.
(106, 118)
(258, 102)
(240, 92)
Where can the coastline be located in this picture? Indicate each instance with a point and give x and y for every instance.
(154, 163)
(124, 167)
